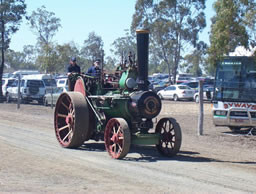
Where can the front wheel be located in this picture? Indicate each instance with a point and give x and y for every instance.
(8, 98)
(175, 97)
(160, 96)
(117, 138)
(45, 102)
(197, 99)
(170, 137)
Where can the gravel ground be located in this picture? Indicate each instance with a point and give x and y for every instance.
(31, 161)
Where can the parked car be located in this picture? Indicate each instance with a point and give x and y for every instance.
(194, 85)
(7, 75)
(32, 87)
(160, 85)
(52, 98)
(22, 73)
(29, 90)
(48, 79)
(207, 94)
(180, 80)
(6, 82)
(177, 92)
(62, 82)
(191, 84)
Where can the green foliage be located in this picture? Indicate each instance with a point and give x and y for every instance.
(18, 60)
(250, 21)
(11, 12)
(64, 53)
(109, 65)
(194, 62)
(228, 29)
(45, 25)
(123, 46)
(92, 48)
(173, 25)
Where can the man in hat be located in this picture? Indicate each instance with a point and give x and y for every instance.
(94, 70)
(73, 67)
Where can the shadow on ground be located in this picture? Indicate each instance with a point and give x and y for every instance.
(151, 154)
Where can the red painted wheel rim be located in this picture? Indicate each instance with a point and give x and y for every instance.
(79, 86)
(64, 121)
(114, 138)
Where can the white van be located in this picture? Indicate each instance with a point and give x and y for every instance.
(48, 79)
(32, 87)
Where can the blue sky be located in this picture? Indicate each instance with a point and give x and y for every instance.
(107, 18)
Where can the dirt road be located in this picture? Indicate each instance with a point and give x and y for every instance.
(32, 161)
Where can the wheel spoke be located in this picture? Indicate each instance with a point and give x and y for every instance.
(67, 135)
(64, 127)
(118, 130)
(114, 128)
(120, 148)
(73, 111)
(62, 115)
(65, 105)
(114, 146)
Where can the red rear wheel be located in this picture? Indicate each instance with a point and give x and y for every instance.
(72, 120)
(117, 138)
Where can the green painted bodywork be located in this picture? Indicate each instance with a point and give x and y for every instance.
(145, 139)
(117, 108)
(129, 73)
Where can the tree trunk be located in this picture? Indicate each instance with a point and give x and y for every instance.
(2, 57)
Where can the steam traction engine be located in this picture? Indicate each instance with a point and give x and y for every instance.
(116, 108)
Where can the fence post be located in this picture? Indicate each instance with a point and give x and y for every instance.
(51, 91)
(201, 108)
(19, 96)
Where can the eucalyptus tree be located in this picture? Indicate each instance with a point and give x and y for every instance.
(196, 61)
(110, 63)
(64, 54)
(228, 29)
(11, 12)
(92, 48)
(250, 21)
(174, 26)
(45, 25)
(17, 60)
(123, 47)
